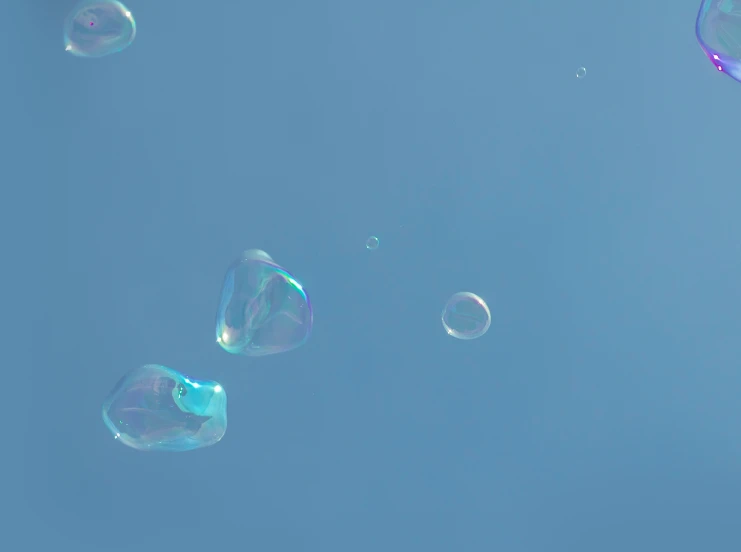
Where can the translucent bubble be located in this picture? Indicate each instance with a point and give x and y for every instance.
(158, 408)
(96, 28)
(581, 72)
(718, 30)
(372, 243)
(466, 316)
(263, 309)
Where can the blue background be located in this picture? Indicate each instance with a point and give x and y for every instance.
(598, 218)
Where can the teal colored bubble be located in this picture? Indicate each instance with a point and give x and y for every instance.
(718, 30)
(158, 408)
(466, 316)
(96, 28)
(263, 309)
(581, 72)
(372, 243)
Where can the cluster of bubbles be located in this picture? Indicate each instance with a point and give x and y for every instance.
(263, 310)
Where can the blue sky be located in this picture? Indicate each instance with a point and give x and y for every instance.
(597, 217)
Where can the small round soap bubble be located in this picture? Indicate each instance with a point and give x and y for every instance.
(466, 316)
(97, 28)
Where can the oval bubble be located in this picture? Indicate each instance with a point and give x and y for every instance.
(157, 408)
(718, 30)
(97, 28)
(263, 309)
(466, 316)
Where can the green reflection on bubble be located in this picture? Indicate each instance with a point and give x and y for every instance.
(263, 309)
(372, 243)
(97, 28)
(157, 408)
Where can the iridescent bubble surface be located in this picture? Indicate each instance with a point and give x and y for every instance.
(96, 28)
(718, 30)
(581, 72)
(372, 243)
(263, 309)
(466, 316)
(158, 408)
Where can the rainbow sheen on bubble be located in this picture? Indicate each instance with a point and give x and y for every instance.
(97, 28)
(263, 309)
(157, 408)
(466, 316)
(718, 30)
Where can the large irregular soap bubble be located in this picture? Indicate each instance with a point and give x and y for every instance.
(158, 408)
(718, 30)
(466, 316)
(263, 308)
(96, 28)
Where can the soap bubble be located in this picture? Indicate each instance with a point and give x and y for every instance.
(372, 243)
(718, 30)
(263, 309)
(466, 316)
(96, 28)
(158, 408)
(581, 72)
